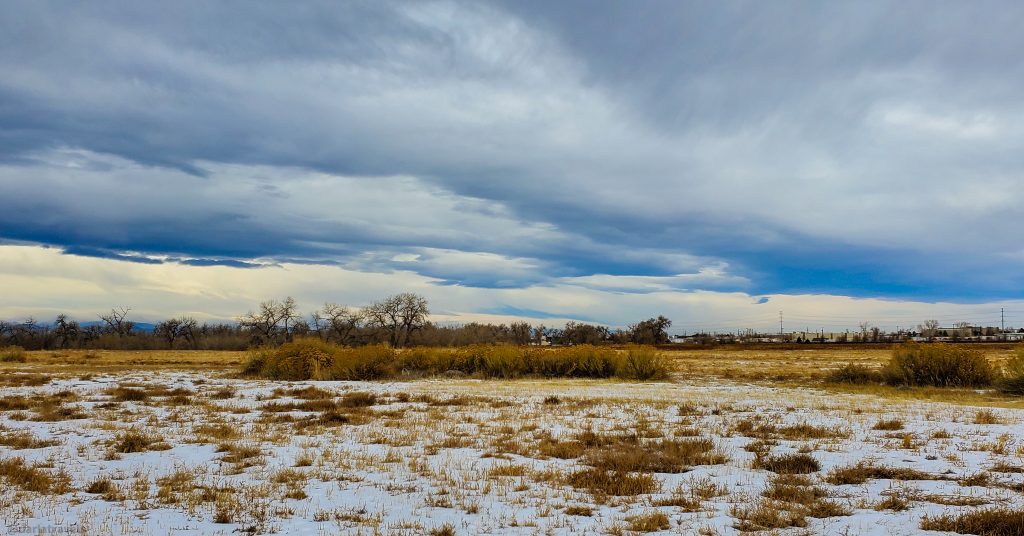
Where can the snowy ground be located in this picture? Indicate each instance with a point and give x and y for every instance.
(188, 453)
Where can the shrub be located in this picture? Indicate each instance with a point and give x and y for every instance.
(12, 354)
(300, 360)
(1012, 381)
(854, 374)
(940, 365)
(504, 361)
(643, 363)
(313, 359)
(365, 363)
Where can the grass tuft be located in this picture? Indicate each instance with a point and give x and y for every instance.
(999, 521)
(787, 464)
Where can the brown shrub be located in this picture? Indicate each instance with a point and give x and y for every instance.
(939, 365)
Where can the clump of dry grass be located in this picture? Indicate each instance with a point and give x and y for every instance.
(223, 393)
(22, 439)
(854, 374)
(13, 354)
(358, 399)
(893, 502)
(106, 488)
(888, 424)
(661, 456)
(130, 441)
(127, 394)
(651, 521)
(756, 428)
(52, 408)
(799, 493)
(862, 472)
(998, 521)
(576, 510)
(239, 453)
(986, 416)
(600, 482)
(766, 515)
(788, 464)
(1003, 467)
(444, 530)
(26, 477)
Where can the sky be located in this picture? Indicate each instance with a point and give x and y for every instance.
(601, 161)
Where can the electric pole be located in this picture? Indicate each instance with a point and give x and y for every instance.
(780, 323)
(1002, 319)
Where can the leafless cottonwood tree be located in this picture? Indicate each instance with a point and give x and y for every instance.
(337, 323)
(117, 322)
(271, 323)
(66, 331)
(398, 316)
(181, 328)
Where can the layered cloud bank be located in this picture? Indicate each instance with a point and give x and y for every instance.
(677, 157)
(44, 282)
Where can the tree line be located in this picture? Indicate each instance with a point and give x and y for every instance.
(399, 320)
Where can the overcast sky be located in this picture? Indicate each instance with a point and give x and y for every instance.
(608, 161)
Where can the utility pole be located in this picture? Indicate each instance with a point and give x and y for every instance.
(1002, 319)
(780, 324)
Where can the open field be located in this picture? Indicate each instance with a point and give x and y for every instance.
(170, 443)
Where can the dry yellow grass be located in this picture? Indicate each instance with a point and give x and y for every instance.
(783, 366)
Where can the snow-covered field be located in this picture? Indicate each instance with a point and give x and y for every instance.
(190, 453)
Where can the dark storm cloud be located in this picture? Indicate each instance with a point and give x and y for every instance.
(867, 149)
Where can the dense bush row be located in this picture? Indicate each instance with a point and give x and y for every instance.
(938, 365)
(314, 359)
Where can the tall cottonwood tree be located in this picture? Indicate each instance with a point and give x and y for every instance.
(271, 323)
(398, 316)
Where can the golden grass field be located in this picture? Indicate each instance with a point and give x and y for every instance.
(802, 367)
(736, 441)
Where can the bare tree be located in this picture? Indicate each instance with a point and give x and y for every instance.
(538, 335)
(337, 323)
(117, 322)
(270, 324)
(929, 329)
(519, 332)
(398, 316)
(177, 328)
(66, 330)
(289, 313)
